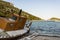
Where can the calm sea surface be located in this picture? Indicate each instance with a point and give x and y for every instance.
(51, 28)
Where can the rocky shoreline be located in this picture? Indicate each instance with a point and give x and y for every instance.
(35, 36)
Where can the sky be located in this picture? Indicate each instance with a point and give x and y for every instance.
(41, 8)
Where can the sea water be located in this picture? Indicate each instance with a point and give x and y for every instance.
(51, 28)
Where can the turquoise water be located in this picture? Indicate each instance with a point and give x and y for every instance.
(46, 27)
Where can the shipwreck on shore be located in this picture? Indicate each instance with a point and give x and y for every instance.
(13, 27)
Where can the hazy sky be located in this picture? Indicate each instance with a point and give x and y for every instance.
(42, 8)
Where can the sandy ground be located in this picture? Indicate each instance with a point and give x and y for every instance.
(45, 38)
(42, 38)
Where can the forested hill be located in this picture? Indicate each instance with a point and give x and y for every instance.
(6, 6)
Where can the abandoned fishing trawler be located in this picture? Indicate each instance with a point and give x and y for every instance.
(14, 27)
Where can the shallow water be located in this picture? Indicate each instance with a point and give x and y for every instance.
(51, 28)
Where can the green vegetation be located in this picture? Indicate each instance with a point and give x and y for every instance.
(5, 8)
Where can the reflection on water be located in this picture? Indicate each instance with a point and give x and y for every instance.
(46, 27)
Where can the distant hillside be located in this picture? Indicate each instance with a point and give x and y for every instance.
(55, 19)
(5, 7)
